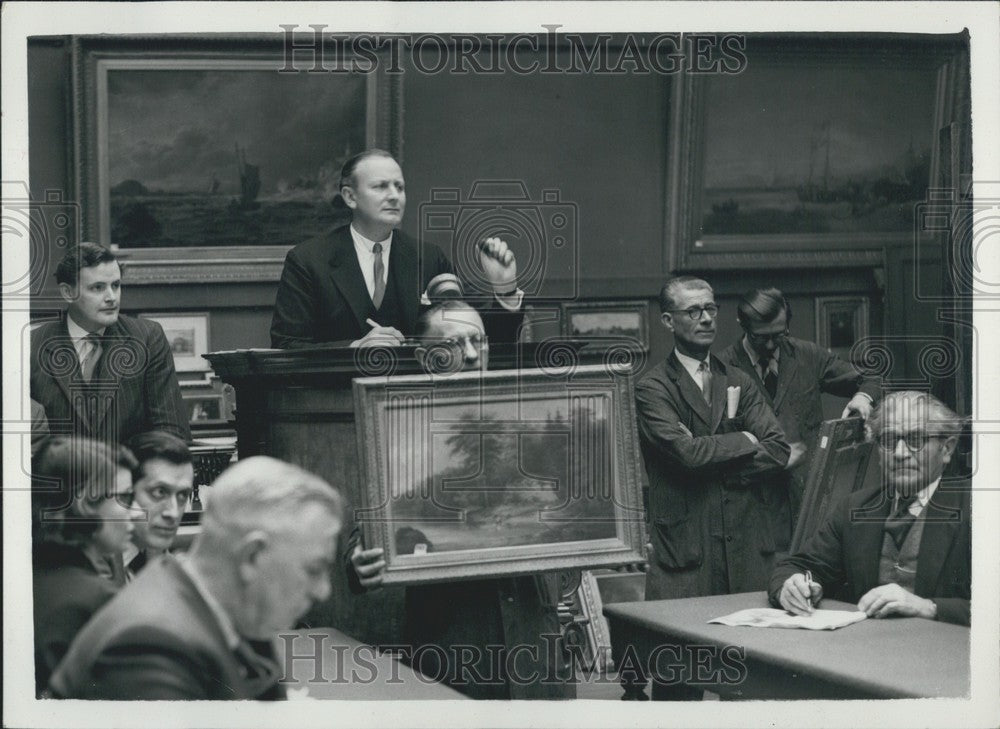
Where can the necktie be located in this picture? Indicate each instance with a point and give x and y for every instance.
(379, 276)
(770, 377)
(706, 381)
(260, 671)
(901, 520)
(93, 353)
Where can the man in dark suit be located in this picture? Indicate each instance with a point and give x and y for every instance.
(710, 443)
(363, 284)
(99, 373)
(903, 548)
(494, 638)
(201, 626)
(792, 374)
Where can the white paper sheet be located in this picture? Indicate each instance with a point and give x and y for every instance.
(774, 618)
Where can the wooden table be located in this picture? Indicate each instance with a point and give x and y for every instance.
(328, 664)
(888, 658)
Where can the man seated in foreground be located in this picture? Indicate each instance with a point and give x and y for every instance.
(163, 484)
(493, 638)
(904, 548)
(200, 626)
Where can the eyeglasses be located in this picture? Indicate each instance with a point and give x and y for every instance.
(915, 440)
(696, 312)
(777, 337)
(460, 344)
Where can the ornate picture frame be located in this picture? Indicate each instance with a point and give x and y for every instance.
(501, 473)
(188, 337)
(190, 179)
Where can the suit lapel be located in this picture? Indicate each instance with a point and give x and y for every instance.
(787, 366)
(347, 276)
(54, 351)
(403, 269)
(689, 389)
(943, 517)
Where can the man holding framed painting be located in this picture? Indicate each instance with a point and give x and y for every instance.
(493, 638)
(711, 445)
(363, 284)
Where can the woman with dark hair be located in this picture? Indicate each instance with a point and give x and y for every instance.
(81, 499)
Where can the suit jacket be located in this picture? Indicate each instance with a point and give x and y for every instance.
(848, 546)
(322, 297)
(134, 381)
(805, 370)
(158, 639)
(707, 481)
(67, 593)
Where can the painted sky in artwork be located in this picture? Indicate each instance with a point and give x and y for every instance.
(174, 130)
(774, 114)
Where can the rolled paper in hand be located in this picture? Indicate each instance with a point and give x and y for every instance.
(732, 401)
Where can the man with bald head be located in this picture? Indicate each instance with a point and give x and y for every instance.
(200, 626)
(496, 638)
(902, 548)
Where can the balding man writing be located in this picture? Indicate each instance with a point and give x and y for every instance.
(199, 627)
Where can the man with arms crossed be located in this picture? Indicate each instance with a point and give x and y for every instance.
(708, 508)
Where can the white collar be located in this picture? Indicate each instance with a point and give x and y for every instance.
(923, 496)
(691, 364)
(221, 616)
(77, 333)
(367, 243)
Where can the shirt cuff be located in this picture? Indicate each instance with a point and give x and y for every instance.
(512, 302)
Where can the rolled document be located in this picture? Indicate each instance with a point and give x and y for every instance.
(732, 401)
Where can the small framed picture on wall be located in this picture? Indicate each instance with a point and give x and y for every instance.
(187, 335)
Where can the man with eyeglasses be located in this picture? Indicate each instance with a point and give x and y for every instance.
(792, 374)
(495, 638)
(708, 463)
(901, 548)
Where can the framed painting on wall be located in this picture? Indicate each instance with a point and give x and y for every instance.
(608, 323)
(814, 154)
(477, 475)
(187, 335)
(199, 159)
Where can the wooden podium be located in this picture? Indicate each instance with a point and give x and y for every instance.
(297, 405)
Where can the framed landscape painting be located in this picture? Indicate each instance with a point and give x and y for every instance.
(198, 159)
(487, 474)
